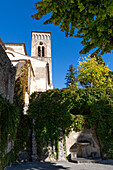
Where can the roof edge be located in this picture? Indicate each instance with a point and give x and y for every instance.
(2, 44)
(40, 32)
(18, 44)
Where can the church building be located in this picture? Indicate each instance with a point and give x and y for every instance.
(40, 69)
(40, 59)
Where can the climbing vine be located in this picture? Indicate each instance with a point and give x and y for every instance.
(12, 121)
(63, 110)
(9, 120)
(21, 86)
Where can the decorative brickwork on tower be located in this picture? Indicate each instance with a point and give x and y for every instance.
(41, 44)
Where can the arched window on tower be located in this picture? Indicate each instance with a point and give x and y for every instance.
(43, 51)
(39, 51)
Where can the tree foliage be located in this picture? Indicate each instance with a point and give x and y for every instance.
(71, 76)
(93, 20)
(93, 74)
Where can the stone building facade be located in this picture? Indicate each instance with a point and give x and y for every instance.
(7, 75)
(7, 82)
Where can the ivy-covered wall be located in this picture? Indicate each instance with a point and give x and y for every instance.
(57, 110)
(23, 137)
(23, 149)
(9, 120)
(14, 125)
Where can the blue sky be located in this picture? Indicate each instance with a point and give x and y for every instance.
(16, 25)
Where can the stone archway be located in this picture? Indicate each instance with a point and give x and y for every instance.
(85, 145)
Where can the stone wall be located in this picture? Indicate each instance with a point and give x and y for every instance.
(7, 76)
(83, 144)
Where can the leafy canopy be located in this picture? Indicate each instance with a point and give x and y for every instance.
(93, 19)
(93, 74)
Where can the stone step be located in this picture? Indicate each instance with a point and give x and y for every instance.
(85, 160)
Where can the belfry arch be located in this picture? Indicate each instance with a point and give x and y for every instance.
(41, 50)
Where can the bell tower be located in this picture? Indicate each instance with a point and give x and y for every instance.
(41, 51)
(41, 44)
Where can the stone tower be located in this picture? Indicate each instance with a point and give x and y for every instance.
(41, 44)
(41, 50)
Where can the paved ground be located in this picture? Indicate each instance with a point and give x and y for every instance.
(61, 166)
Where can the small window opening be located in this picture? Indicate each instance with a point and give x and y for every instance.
(48, 74)
(43, 51)
(39, 51)
(41, 43)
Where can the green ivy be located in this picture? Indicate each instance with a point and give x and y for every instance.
(22, 141)
(9, 120)
(7, 159)
(62, 110)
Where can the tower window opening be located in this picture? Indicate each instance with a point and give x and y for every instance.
(41, 43)
(48, 74)
(43, 51)
(39, 51)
